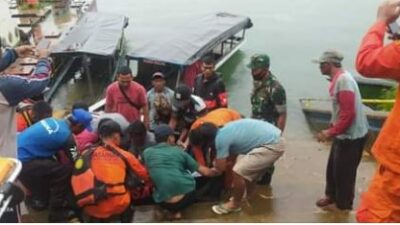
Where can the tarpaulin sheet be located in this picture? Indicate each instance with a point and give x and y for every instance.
(95, 33)
(184, 43)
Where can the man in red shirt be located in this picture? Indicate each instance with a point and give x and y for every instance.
(381, 202)
(127, 97)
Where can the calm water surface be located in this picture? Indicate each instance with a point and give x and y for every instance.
(292, 33)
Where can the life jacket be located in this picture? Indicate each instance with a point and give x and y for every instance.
(24, 119)
(88, 190)
(140, 193)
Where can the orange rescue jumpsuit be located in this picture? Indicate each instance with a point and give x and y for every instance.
(381, 202)
(111, 169)
(218, 117)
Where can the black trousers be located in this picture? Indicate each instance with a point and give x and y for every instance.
(187, 200)
(57, 179)
(341, 172)
(209, 188)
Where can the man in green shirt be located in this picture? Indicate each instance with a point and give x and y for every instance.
(171, 169)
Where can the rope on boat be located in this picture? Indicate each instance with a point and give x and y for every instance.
(383, 101)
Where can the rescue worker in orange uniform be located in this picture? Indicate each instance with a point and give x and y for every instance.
(111, 170)
(381, 202)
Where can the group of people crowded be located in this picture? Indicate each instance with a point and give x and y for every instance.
(171, 148)
(174, 148)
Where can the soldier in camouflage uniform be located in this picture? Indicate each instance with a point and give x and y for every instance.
(268, 98)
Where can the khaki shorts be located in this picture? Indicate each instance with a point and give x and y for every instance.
(256, 162)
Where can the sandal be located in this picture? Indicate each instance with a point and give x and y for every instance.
(222, 210)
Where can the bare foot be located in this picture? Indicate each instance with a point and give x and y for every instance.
(231, 204)
(175, 216)
(331, 207)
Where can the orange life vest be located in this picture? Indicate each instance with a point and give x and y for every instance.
(89, 190)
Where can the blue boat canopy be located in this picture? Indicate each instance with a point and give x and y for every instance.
(95, 33)
(185, 43)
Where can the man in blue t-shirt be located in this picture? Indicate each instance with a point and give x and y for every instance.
(37, 146)
(257, 145)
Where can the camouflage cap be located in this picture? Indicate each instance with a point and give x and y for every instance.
(331, 56)
(259, 61)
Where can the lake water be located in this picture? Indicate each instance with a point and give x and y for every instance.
(292, 33)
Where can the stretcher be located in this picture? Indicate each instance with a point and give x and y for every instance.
(9, 171)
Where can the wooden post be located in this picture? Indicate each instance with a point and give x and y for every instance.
(86, 61)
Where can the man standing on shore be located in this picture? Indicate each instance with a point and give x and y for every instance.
(381, 203)
(348, 129)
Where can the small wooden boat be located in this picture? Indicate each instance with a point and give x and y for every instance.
(375, 88)
(318, 113)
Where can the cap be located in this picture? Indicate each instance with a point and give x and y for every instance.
(163, 130)
(124, 70)
(182, 92)
(331, 56)
(83, 117)
(107, 127)
(158, 75)
(259, 61)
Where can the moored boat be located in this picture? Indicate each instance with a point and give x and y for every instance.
(318, 114)
(377, 89)
(178, 54)
(93, 50)
(50, 24)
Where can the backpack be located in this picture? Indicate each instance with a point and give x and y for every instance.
(162, 105)
(87, 189)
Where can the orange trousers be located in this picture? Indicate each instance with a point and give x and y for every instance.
(381, 203)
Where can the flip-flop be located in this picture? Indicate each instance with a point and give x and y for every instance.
(221, 210)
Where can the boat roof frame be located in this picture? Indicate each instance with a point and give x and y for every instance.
(100, 42)
(223, 26)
